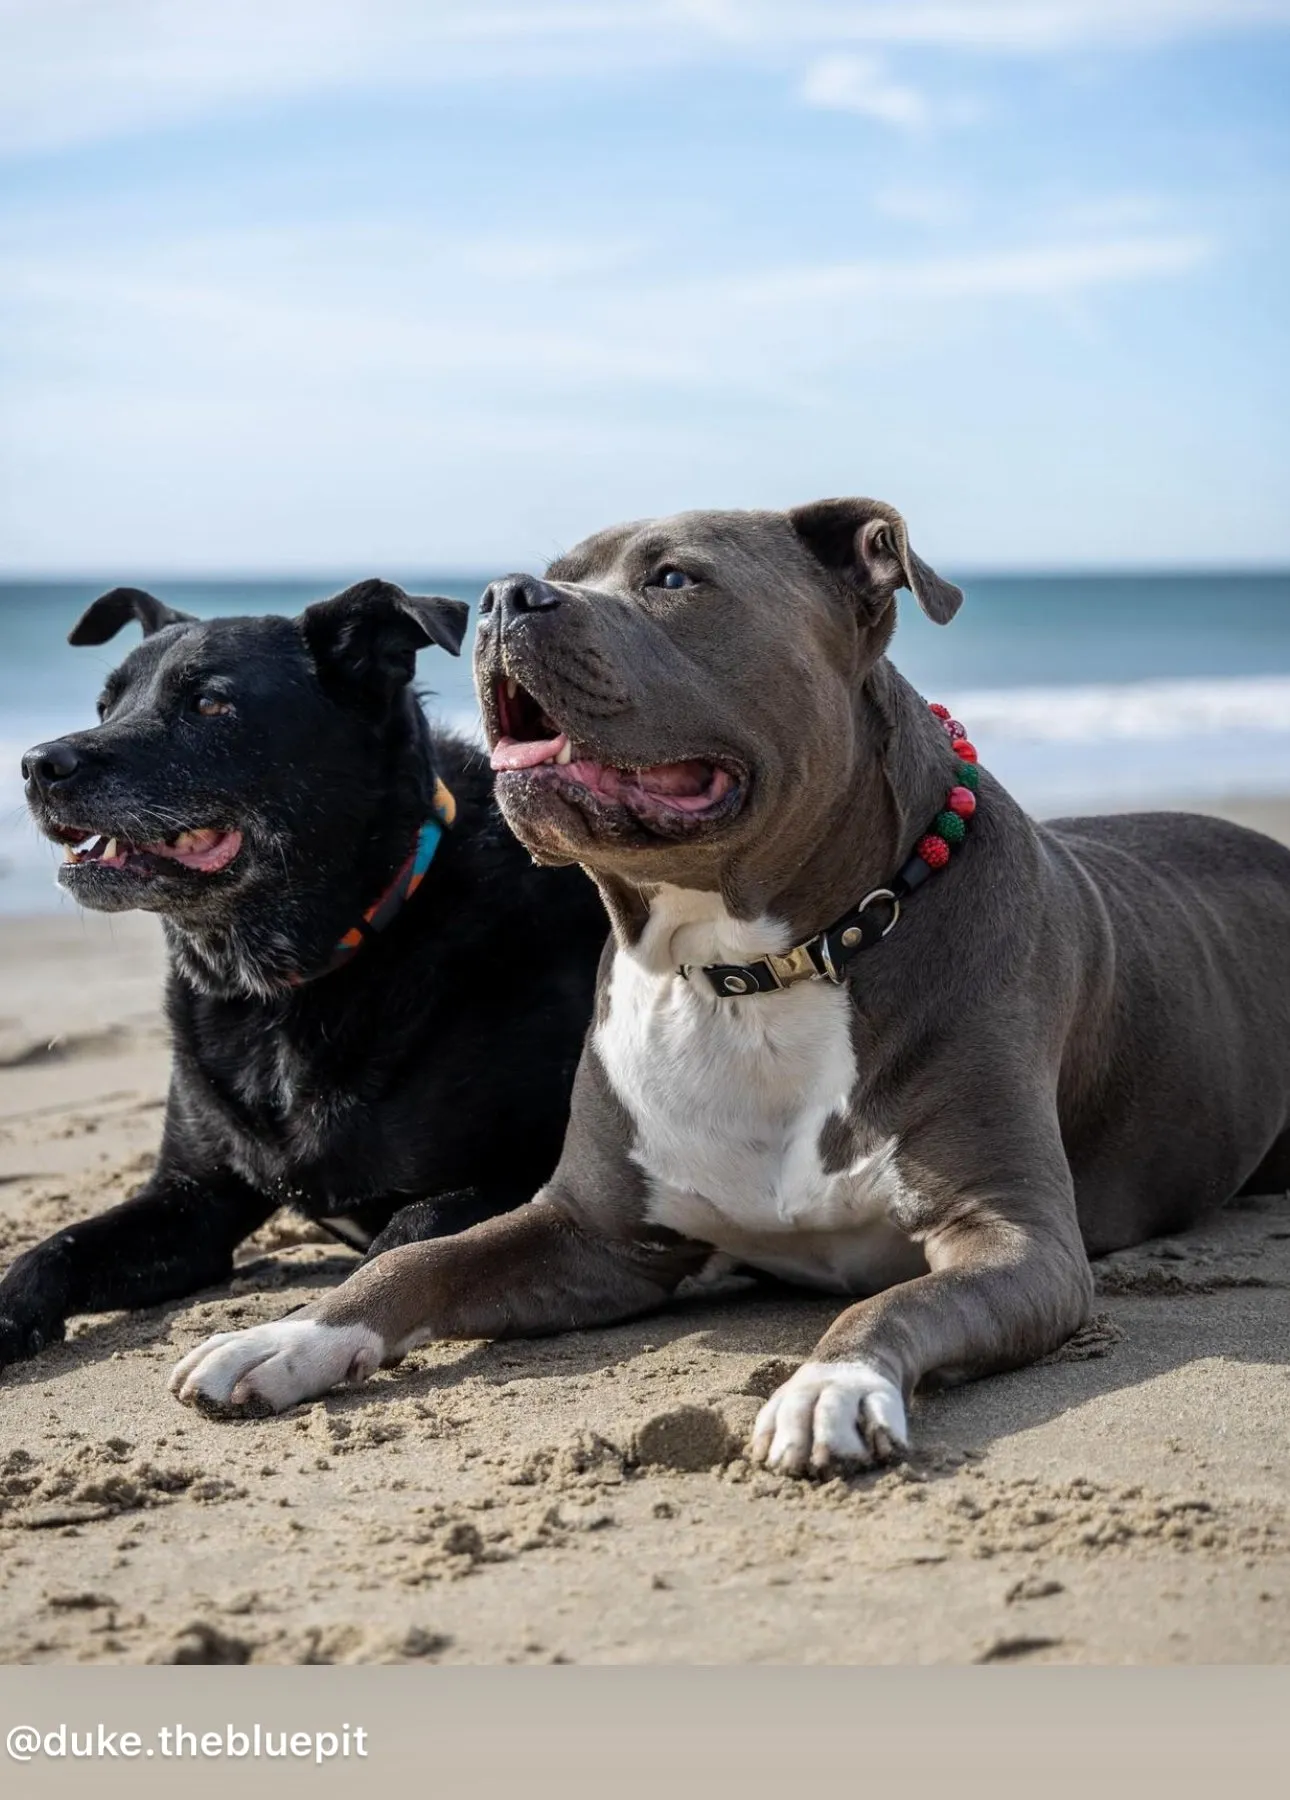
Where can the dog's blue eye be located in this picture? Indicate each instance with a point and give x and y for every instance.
(210, 706)
(672, 578)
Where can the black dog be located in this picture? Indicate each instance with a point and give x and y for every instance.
(376, 1000)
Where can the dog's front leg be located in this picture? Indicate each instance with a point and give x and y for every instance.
(1000, 1293)
(525, 1274)
(174, 1236)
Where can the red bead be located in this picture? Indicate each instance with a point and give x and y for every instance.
(934, 851)
(963, 750)
(961, 801)
(940, 712)
(955, 729)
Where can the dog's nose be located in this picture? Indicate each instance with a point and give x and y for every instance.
(517, 594)
(50, 763)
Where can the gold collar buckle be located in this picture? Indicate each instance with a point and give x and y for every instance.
(794, 965)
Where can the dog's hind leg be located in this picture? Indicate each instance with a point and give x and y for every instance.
(526, 1274)
(1273, 1174)
(442, 1215)
(176, 1235)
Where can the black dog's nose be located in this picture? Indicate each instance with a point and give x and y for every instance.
(49, 763)
(516, 594)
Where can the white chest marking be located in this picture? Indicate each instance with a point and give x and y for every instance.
(729, 1098)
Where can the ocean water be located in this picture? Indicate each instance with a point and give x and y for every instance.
(1078, 690)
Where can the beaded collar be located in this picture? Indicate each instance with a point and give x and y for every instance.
(829, 954)
(405, 883)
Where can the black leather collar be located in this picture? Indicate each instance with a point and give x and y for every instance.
(825, 957)
(829, 954)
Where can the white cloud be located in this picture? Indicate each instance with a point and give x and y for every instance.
(862, 84)
(324, 397)
(928, 204)
(265, 311)
(1027, 27)
(77, 70)
(1113, 212)
(1058, 271)
(230, 369)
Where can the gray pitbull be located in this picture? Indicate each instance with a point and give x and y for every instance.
(938, 1097)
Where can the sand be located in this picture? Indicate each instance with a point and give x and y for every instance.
(585, 1499)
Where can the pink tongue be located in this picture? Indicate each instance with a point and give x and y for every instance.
(510, 753)
(680, 778)
(209, 850)
(684, 786)
(215, 855)
(681, 787)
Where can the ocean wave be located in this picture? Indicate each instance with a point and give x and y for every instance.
(1105, 710)
(1125, 710)
(1132, 739)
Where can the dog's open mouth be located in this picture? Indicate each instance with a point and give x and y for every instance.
(529, 741)
(206, 851)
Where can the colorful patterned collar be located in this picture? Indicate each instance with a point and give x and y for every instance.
(390, 904)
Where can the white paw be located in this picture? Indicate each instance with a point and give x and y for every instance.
(830, 1413)
(271, 1367)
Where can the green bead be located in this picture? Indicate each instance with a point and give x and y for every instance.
(949, 826)
(969, 775)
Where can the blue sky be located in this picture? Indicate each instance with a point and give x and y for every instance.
(343, 284)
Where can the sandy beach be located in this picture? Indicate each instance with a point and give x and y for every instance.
(585, 1499)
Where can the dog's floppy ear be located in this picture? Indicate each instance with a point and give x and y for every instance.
(104, 617)
(370, 634)
(867, 541)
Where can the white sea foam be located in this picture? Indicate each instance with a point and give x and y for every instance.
(1137, 709)
(1058, 749)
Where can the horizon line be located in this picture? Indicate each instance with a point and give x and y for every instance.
(465, 573)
